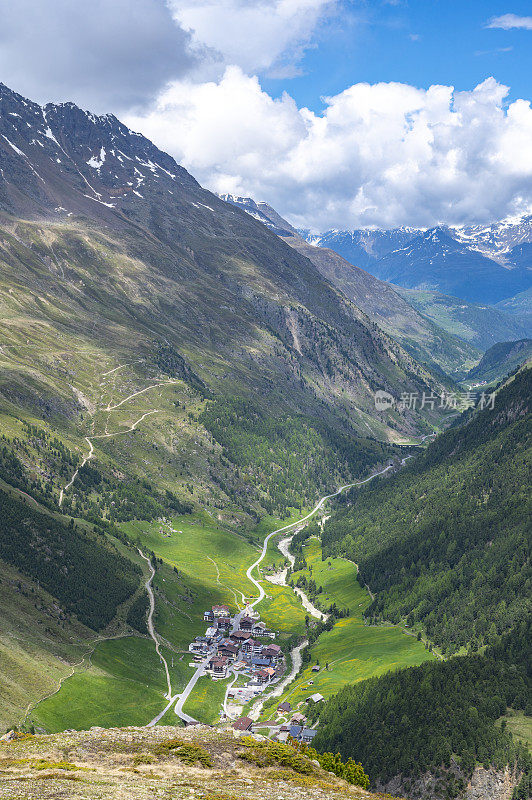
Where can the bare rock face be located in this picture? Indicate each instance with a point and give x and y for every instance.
(484, 784)
(491, 784)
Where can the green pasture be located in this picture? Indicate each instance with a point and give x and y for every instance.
(205, 700)
(125, 684)
(353, 651)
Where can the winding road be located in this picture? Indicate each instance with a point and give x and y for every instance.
(151, 629)
(319, 505)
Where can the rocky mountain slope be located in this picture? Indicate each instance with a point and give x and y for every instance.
(425, 341)
(134, 763)
(119, 270)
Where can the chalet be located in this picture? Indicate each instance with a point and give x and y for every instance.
(239, 665)
(210, 633)
(307, 735)
(260, 662)
(220, 611)
(257, 649)
(246, 624)
(284, 708)
(271, 673)
(243, 724)
(316, 698)
(248, 645)
(240, 636)
(297, 718)
(227, 649)
(261, 676)
(259, 628)
(224, 623)
(295, 731)
(198, 646)
(218, 667)
(316, 668)
(272, 651)
(208, 616)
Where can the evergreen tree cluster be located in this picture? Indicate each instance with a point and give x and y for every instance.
(445, 544)
(420, 719)
(83, 570)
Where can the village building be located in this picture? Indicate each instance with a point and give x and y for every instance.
(246, 624)
(243, 724)
(284, 708)
(224, 623)
(297, 718)
(227, 649)
(261, 662)
(316, 668)
(220, 611)
(316, 698)
(208, 616)
(240, 636)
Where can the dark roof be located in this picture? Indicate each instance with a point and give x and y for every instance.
(241, 635)
(308, 733)
(295, 730)
(260, 662)
(284, 706)
(243, 724)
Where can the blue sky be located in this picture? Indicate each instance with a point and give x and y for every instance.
(419, 42)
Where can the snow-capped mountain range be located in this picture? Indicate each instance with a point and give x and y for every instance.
(479, 263)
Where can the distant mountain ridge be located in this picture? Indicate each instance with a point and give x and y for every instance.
(479, 263)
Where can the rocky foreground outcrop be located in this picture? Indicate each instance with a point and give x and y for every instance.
(163, 762)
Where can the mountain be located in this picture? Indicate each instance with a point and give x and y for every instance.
(434, 260)
(444, 546)
(483, 264)
(420, 337)
(112, 255)
(480, 325)
(444, 543)
(499, 361)
(500, 241)
(363, 247)
(519, 306)
(163, 355)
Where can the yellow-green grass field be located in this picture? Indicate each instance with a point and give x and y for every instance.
(520, 726)
(206, 699)
(125, 684)
(354, 651)
(212, 562)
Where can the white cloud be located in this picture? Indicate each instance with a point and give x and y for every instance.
(509, 21)
(385, 154)
(257, 35)
(105, 55)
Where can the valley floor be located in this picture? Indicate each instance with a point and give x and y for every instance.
(124, 681)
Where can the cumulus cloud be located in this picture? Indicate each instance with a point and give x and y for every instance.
(105, 55)
(509, 21)
(378, 155)
(257, 35)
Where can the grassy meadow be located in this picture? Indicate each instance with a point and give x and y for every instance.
(353, 651)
